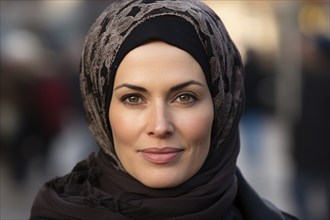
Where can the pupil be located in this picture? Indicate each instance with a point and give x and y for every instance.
(184, 98)
(133, 99)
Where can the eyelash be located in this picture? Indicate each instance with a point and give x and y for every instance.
(141, 100)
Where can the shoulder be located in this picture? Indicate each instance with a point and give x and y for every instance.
(280, 213)
(84, 171)
(57, 193)
(253, 207)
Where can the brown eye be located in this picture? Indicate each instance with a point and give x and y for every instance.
(186, 98)
(132, 99)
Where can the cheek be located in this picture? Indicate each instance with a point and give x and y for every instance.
(123, 133)
(197, 135)
(123, 129)
(197, 128)
(118, 124)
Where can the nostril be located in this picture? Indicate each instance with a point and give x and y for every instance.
(164, 131)
(161, 128)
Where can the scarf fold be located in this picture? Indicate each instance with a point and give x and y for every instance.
(81, 195)
(94, 190)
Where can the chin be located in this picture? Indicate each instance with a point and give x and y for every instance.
(163, 177)
(161, 182)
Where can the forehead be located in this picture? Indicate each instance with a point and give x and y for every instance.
(156, 58)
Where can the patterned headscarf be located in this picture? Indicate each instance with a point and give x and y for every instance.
(115, 25)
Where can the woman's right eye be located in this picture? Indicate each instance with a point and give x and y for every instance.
(132, 99)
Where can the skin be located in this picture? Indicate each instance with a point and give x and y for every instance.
(161, 101)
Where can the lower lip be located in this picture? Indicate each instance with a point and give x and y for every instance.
(161, 158)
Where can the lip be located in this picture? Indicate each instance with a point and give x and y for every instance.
(161, 155)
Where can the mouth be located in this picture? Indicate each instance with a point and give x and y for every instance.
(160, 156)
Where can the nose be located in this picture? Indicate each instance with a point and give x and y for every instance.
(159, 122)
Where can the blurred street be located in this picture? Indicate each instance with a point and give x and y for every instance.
(285, 47)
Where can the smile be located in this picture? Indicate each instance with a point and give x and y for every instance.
(161, 155)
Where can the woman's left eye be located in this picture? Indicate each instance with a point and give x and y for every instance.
(186, 98)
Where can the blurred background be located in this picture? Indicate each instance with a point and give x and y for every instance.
(285, 130)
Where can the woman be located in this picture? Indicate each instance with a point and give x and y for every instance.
(162, 86)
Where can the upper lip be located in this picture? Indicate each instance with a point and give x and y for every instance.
(160, 150)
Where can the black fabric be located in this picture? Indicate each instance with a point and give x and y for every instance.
(78, 195)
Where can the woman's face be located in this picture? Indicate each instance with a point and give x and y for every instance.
(161, 115)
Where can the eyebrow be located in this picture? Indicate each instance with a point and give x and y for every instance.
(185, 84)
(130, 86)
(173, 88)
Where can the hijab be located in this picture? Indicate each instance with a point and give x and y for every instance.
(102, 55)
(99, 187)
